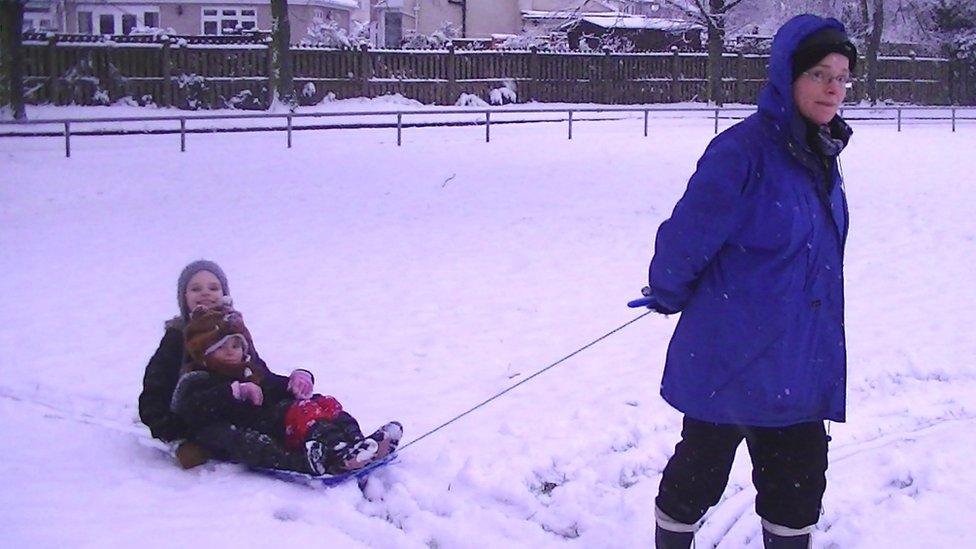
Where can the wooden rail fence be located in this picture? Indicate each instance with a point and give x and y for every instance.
(216, 72)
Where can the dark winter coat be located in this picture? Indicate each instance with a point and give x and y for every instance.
(159, 382)
(752, 256)
(209, 398)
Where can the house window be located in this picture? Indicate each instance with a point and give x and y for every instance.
(106, 23)
(85, 22)
(128, 22)
(392, 29)
(229, 20)
(36, 19)
(116, 19)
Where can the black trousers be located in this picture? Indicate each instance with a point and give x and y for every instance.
(788, 470)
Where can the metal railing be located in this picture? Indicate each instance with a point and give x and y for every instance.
(716, 112)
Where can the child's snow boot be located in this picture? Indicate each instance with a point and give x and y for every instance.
(357, 455)
(338, 447)
(387, 438)
(190, 454)
(343, 457)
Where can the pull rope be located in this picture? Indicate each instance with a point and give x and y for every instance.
(526, 380)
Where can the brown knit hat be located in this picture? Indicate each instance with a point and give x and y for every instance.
(207, 330)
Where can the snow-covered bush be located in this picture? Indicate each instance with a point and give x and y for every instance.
(954, 22)
(159, 33)
(505, 94)
(434, 41)
(246, 100)
(88, 88)
(327, 33)
(194, 91)
(101, 97)
(470, 100)
(552, 41)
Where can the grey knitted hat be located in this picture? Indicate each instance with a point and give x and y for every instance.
(187, 274)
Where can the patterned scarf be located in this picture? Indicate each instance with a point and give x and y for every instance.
(823, 141)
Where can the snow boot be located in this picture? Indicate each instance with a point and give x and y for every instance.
(666, 539)
(190, 454)
(387, 438)
(784, 537)
(336, 447)
(671, 534)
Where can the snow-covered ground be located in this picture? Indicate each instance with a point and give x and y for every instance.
(417, 281)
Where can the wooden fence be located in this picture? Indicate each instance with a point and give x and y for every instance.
(211, 72)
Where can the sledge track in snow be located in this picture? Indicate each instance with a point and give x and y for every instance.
(742, 500)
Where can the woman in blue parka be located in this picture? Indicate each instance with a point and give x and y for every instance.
(752, 257)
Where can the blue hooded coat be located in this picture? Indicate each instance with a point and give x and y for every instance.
(752, 257)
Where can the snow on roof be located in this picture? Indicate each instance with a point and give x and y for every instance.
(620, 21)
(536, 15)
(610, 20)
(623, 21)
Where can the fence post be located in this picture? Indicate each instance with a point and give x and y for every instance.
(951, 82)
(365, 70)
(53, 74)
(67, 139)
(913, 72)
(737, 87)
(675, 83)
(533, 73)
(167, 73)
(967, 85)
(452, 93)
(487, 126)
(606, 69)
(271, 82)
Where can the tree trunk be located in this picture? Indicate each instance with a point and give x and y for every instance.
(873, 46)
(12, 59)
(282, 75)
(716, 46)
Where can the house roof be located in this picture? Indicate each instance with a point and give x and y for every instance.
(554, 15)
(622, 21)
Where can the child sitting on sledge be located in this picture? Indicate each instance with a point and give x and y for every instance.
(222, 382)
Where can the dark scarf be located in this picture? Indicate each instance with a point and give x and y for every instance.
(823, 141)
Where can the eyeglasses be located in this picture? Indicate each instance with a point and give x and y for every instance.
(822, 77)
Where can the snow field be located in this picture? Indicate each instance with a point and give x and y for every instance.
(418, 281)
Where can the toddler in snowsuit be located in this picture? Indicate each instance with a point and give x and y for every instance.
(221, 382)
